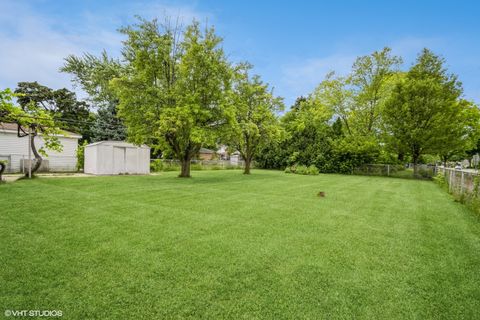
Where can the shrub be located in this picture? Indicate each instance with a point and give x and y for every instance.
(156, 165)
(301, 170)
(196, 167)
(424, 173)
(312, 170)
(81, 155)
(440, 179)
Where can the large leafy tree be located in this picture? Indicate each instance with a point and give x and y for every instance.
(335, 93)
(68, 112)
(308, 138)
(93, 74)
(370, 83)
(173, 93)
(356, 101)
(31, 121)
(425, 113)
(256, 122)
(463, 132)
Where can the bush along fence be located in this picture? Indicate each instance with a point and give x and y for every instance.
(419, 171)
(299, 169)
(158, 165)
(463, 185)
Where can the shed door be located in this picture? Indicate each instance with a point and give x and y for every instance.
(119, 160)
(131, 157)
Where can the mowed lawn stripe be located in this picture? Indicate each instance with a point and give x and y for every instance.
(225, 245)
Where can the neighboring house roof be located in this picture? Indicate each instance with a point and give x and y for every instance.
(222, 149)
(13, 127)
(205, 150)
(8, 126)
(117, 144)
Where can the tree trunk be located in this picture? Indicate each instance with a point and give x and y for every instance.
(444, 161)
(248, 162)
(38, 158)
(3, 166)
(185, 170)
(246, 170)
(401, 156)
(415, 158)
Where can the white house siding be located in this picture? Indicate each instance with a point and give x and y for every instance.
(14, 149)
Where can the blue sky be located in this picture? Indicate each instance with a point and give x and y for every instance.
(292, 44)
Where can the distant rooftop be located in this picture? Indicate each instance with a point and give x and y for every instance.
(205, 150)
(10, 126)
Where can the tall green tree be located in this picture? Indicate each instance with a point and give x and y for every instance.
(68, 112)
(309, 136)
(32, 120)
(173, 94)
(425, 113)
(335, 93)
(93, 74)
(256, 122)
(356, 101)
(369, 80)
(463, 131)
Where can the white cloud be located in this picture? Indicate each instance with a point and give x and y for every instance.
(33, 46)
(29, 49)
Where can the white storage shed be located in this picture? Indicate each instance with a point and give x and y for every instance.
(116, 157)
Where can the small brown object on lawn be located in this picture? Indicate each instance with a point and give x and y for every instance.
(321, 194)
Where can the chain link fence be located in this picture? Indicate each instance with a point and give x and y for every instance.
(463, 185)
(157, 165)
(420, 171)
(461, 182)
(19, 163)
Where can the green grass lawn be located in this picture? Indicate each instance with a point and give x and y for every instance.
(225, 245)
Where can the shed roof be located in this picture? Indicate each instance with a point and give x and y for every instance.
(117, 144)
